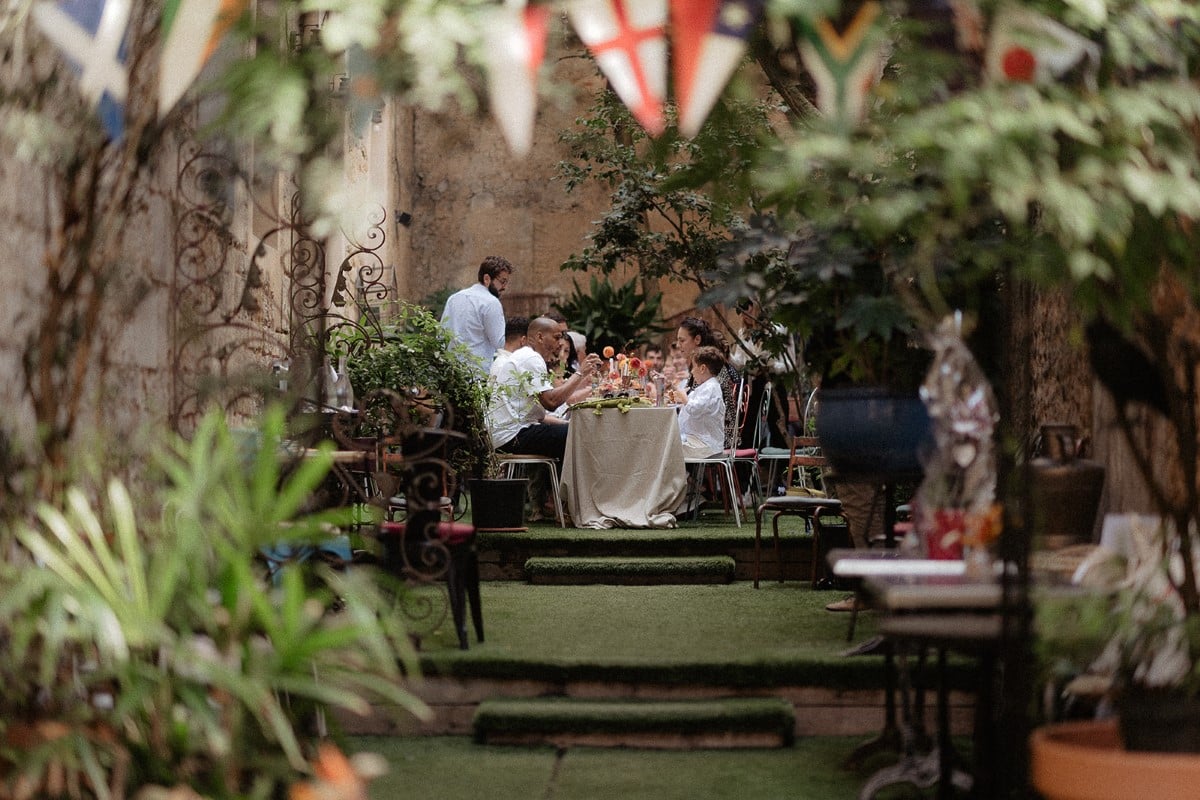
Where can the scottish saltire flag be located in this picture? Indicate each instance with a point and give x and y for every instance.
(91, 34)
(1027, 47)
(191, 31)
(708, 39)
(847, 65)
(516, 42)
(628, 40)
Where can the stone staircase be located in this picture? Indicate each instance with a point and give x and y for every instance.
(507, 556)
(651, 704)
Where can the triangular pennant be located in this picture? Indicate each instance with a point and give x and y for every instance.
(1027, 47)
(845, 66)
(627, 39)
(91, 34)
(363, 101)
(516, 46)
(708, 39)
(192, 29)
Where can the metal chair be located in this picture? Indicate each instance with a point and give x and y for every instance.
(804, 453)
(723, 461)
(746, 455)
(772, 456)
(511, 462)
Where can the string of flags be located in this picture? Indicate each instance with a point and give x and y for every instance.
(93, 36)
(630, 40)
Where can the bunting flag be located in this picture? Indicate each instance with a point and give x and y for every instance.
(516, 47)
(1027, 47)
(91, 34)
(628, 41)
(708, 39)
(363, 102)
(191, 31)
(845, 66)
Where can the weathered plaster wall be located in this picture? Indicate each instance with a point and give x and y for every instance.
(127, 385)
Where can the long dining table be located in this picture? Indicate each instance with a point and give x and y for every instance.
(623, 468)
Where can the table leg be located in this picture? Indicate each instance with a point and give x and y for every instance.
(889, 739)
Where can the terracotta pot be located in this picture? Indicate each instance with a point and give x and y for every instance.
(1087, 761)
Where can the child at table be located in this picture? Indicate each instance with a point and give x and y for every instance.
(702, 413)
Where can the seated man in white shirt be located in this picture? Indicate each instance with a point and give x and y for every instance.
(702, 415)
(522, 393)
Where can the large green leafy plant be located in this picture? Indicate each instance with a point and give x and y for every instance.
(620, 316)
(145, 645)
(1088, 183)
(673, 200)
(413, 353)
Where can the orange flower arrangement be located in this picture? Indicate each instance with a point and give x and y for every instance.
(984, 528)
(336, 777)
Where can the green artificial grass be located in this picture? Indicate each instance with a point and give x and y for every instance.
(453, 768)
(730, 634)
(617, 568)
(546, 715)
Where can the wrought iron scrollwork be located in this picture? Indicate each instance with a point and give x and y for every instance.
(252, 313)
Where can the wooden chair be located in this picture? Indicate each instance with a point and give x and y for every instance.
(804, 453)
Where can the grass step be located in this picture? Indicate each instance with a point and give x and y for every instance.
(630, 571)
(502, 556)
(666, 724)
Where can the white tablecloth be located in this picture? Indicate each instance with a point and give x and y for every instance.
(623, 470)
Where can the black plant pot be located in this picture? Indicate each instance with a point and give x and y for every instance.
(873, 431)
(498, 504)
(1160, 721)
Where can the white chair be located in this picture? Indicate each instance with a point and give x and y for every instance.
(723, 461)
(510, 463)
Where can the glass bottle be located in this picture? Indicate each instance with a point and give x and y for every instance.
(343, 392)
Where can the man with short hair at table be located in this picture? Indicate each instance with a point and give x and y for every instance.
(522, 393)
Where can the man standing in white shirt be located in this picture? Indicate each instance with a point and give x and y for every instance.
(474, 315)
(522, 393)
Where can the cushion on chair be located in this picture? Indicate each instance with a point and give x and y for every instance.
(746, 452)
(796, 502)
(448, 532)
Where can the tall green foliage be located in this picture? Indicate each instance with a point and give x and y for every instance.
(620, 316)
(145, 645)
(673, 200)
(414, 351)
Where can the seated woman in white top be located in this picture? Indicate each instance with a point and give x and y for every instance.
(702, 415)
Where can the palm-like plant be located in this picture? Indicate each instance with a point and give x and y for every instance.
(151, 649)
(620, 316)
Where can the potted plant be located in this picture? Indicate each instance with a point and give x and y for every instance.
(149, 652)
(970, 172)
(413, 352)
(1083, 178)
(831, 289)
